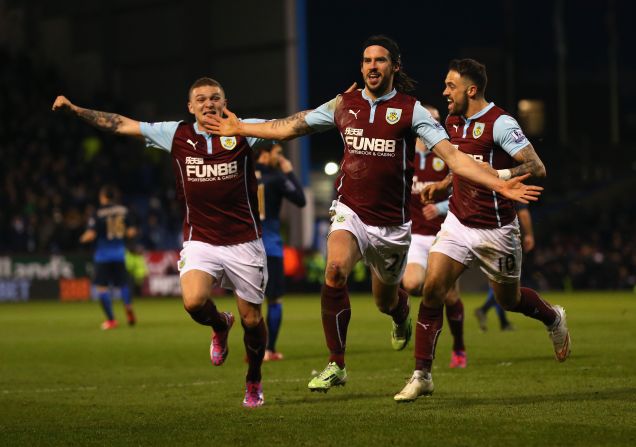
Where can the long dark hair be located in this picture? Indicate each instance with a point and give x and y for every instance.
(401, 81)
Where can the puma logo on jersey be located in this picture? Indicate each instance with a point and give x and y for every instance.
(192, 143)
(354, 113)
(424, 325)
(456, 127)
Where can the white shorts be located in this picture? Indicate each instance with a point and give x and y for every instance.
(497, 251)
(383, 249)
(418, 252)
(240, 267)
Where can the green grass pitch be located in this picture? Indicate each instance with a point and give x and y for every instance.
(65, 382)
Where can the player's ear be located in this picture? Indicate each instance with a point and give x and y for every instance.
(190, 108)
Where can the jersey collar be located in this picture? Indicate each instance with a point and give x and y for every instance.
(201, 132)
(386, 97)
(481, 113)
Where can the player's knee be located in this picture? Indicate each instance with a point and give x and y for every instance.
(193, 302)
(508, 298)
(412, 286)
(508, 304)
(435, 292)
(250, 320)
(451, 297)
(335, 274)
(190, 307)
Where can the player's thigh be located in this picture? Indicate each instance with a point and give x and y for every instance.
(245, 270)
(119, 274)
(200, 269)
(507, 293)
(498, 252)
(342, 252)
(346, 243)
(196, 286)
(101, 278)
(387, 251)
(419, 248)
(441, 275)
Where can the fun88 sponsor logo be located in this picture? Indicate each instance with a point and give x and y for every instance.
(217, 171)
(370, 144)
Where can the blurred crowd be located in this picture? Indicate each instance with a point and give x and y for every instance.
(52, 168)
(596, 252)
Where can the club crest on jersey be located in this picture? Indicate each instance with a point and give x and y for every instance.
(228, 143)
(438, 164)
(393, 115)
(340, 218)
(478, 130)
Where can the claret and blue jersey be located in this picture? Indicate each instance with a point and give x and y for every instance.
(494, 137)
(379, 146)
(215, 181)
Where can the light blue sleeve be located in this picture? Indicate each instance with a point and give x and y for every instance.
(322, 118)
(508, 135)
(424, 125)
(253, 141)
(159, 134)
(442, 208)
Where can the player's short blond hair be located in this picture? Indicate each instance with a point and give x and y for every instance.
(205, 81)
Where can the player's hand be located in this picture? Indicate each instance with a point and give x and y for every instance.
(430, 212)
(229, 126)
(434, 192)
(285, 165)
(528, 243)
(520, 192)
(62, 104)
(352, 88)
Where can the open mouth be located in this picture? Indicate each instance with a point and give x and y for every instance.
(373, 77)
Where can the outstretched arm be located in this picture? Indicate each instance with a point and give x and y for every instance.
(109, 122)
(462, 164)
(282, 129)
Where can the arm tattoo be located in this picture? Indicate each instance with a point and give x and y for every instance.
(529, 163)
(297, 122)
(110, 122)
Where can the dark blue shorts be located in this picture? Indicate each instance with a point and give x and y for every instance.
(110, 274)
(276, 278)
